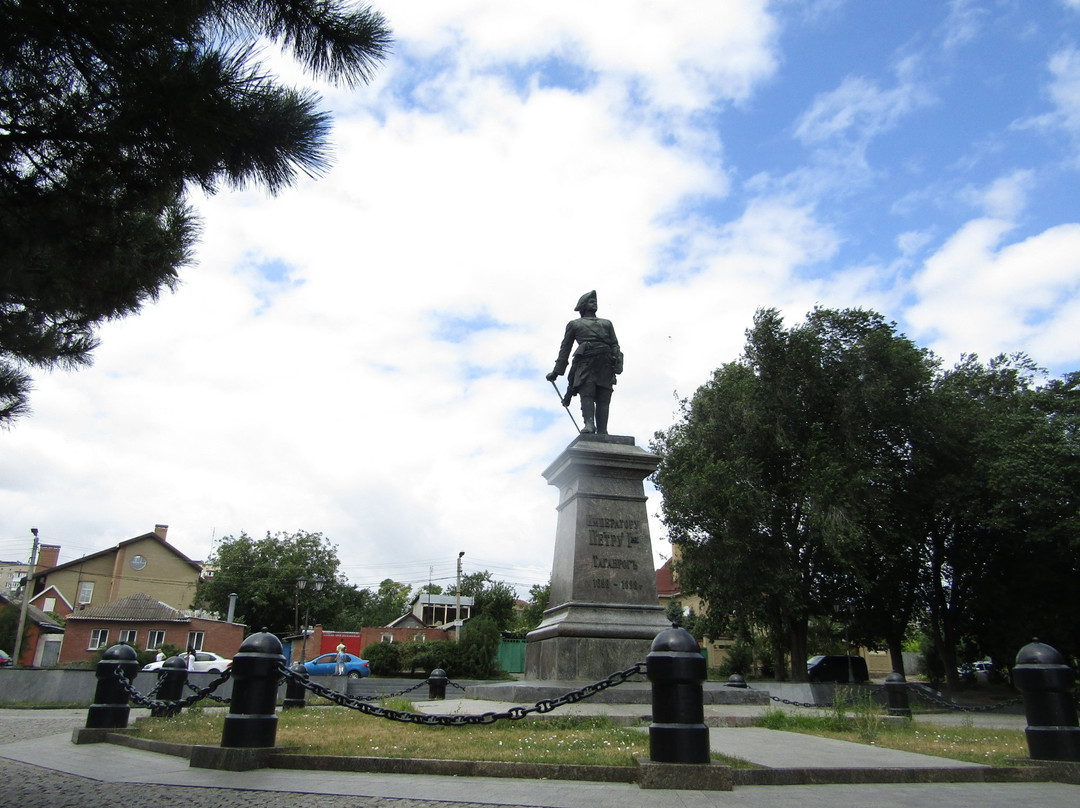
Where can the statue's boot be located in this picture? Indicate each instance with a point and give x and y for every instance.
(601, 418)
(588, 411)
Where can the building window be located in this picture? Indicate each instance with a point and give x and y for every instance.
(195, 640)
(154, 640)
(50, 605)
(387, 638)
(419, 638)
(127, 636)
(99, 638)
(86, 593)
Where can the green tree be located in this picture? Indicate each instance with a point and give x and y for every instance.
(263, 574)
(494, 599)
(390, 602)
(530, 617)
(780, 478)
(478, 647)
(999, 476)
(9, 627)
(111, 110)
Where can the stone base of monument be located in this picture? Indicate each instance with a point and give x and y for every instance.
(591, 641)
(604, 610)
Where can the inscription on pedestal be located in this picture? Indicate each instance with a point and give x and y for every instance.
(614, 558)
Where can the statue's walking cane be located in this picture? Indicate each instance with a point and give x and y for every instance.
(565, 407)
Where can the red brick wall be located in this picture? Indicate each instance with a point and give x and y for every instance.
(220, 637)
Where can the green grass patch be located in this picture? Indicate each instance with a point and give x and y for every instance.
(338, 731)
(986, 745)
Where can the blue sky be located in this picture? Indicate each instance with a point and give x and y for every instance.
(364, 354)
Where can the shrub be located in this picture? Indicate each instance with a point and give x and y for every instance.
(384, 658)
(478, 647)
(740, 659)
(426, 656)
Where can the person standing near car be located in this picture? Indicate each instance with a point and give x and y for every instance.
(339, 670)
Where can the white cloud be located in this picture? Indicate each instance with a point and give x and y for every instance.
(979, 293)
(963, 23)
(681, 55)
(859, 110)
(1064, 90)
(1005, 197)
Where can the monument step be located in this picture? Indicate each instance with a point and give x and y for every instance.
(530, 692)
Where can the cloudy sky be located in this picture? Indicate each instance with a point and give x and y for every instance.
(364, 355)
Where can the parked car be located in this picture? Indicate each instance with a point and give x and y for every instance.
(836, 668)
(326, 665)
(983, 671)
(4, 658)
(205, 662)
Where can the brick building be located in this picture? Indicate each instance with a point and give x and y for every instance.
(146, 624)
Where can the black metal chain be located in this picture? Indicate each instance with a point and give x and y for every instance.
(513, 714)
(790, 703)
(377, 696)
(931, 696)
(211, 696)
(169, 706)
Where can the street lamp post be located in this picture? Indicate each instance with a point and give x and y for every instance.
(27, 593)
(317, 585)
(457, 599)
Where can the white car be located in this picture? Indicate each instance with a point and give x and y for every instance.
(205, 662)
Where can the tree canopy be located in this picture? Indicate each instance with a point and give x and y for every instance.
(111, 110)
(833, 473)
(491, 598)
(263, 573)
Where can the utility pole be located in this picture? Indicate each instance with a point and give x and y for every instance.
(25, 599)
(457, 599)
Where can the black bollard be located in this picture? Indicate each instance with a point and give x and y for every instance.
(295, 692)
(736, 680)
(897, 691)
(171, 680)
(1047, 684)
(436, 685)
(110, 709)
(676, 669)
(256, 671)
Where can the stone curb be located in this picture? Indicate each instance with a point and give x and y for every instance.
(647, 774)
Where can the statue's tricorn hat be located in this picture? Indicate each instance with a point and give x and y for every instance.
(584, 299)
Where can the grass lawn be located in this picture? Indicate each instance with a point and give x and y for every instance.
(338, 731)
(986, 745)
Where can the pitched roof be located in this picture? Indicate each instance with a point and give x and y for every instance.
(51, 591)
(151, 535)
(138, 607)
(666, 584)
(33, 613)
(407, 620)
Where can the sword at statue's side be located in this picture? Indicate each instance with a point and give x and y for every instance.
(560, 395)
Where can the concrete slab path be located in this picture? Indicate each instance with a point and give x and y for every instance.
(40, 767)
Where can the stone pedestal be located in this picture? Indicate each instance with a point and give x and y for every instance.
(604, 610)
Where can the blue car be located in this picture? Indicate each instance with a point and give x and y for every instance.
(326, 665)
